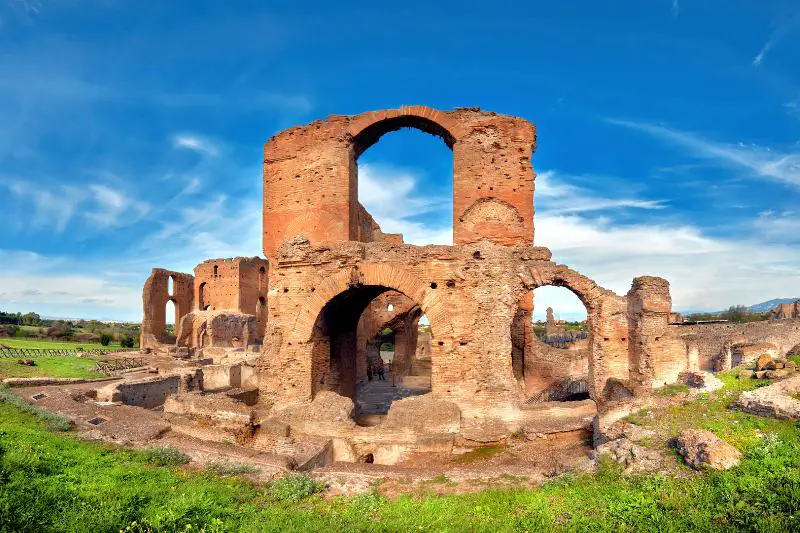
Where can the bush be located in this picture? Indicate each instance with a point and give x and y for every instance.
(60, 330)
(105, 338)
(165, 456)
(294, 488)
(126, 341)
(227, 468)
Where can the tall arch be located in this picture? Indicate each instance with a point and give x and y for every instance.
(370, 280)
(367, 128)
(608, 323)
(310, 175)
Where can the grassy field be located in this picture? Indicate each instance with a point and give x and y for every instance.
(54, 367)
(52, 482)
(56, 345)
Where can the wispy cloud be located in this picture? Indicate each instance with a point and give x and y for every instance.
(197, 143)
(759, 161)
(112, 205)
(55, 206)
(553, 193)
(784, 26)
(744, 270)
(393, 197)
(676, 8)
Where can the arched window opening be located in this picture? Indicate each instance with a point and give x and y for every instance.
(262, 279)
(171, 316)
(201, 297)
(216, 270)
(171, 286)
(550, 345)
(261, 316)
(366, 353)
(405, 182)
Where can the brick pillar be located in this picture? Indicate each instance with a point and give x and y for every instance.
(654, 355)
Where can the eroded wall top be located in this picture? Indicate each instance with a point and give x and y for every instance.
(311, 176)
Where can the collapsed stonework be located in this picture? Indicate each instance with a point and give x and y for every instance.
(305, 322)
(782, 311)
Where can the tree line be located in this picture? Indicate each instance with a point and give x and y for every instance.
(32, 325)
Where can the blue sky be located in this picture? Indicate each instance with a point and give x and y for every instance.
(131, 134)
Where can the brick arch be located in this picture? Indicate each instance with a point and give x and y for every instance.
(380, 275)
(587, 291)
(367, 128)
(598, 302)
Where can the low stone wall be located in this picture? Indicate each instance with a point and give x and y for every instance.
(220, 377)
(710, 340)
(147, 393)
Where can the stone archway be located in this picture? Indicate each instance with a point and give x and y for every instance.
(362, 283)
(607, 320)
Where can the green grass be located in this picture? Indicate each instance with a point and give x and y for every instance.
(53, 421)
(479, 454)
(227, 468)
(52, 482)
(672, 390)
(55, 345)
(165, 456)
(64, 366)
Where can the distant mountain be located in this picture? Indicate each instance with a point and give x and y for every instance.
(763, 307)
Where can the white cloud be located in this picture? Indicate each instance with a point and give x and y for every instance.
(764, 49)
(676, 9)
(53, 207)
(552, 193)
(67, 295)
(778, 227)
(56, 206)
(393, 198)
(762, 162)
(196, 143)
(113, 207)
(704, 272)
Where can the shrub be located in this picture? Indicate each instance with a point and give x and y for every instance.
(60, 330)
(227, 468)
(105, 338)
(165, 456)
(294, 488)
(126, 341)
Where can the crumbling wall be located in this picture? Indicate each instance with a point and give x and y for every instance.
(470, 294)
(219, 329)
(658, 356)
(234, 284)
(784, 311)
(711, 341)
(311, 176)
(155, 296)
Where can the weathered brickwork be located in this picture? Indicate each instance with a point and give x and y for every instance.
(219, 286)
(155, 296)
(709, 343)
(311, 176)
(324, 298)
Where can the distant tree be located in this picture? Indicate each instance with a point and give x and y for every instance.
(126, 341)
(31, 319)
(105, 338)
(60, 330)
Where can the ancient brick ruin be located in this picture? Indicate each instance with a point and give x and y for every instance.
(304, 324)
